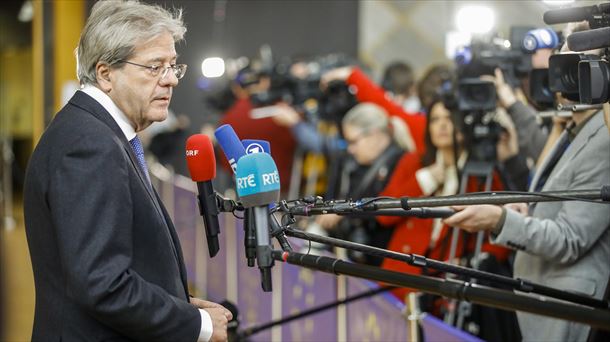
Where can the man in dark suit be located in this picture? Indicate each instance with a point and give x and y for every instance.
(107, 261)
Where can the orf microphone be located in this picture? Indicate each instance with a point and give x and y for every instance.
(589, 40)
(202, 167)
(258, 185)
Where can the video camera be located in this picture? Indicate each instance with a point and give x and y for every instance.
(474, 99)
(297, 82)
(582, 77)
(472, 102)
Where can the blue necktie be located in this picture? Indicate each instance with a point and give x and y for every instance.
(136, 145)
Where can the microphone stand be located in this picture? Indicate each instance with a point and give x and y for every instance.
(423, 262)
(475, 293)
(276, 231)
(310, 207)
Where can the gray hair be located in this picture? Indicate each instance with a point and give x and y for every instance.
(369, 117)
(114, 28)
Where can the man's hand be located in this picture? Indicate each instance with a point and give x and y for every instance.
(475, 218)
(506, 93)
(328, 221)
(338, 74)
(521, 208)
(220, 317)
(508, 142)
(204, 304)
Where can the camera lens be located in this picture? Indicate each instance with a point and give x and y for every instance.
(570, 77)
(594, 86)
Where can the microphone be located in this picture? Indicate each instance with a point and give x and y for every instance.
(230, 144)
(568, 15)
(256, 146)
(258, 185)
(542, 38)
(234, 149)
(596, 15)
(202, 168)
(589, 40)
(252, 146)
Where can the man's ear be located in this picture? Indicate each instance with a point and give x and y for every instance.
(102, 74)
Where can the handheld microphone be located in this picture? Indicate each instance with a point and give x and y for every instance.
(234, 149)
(202, 168)
(258, 185)
(230, 144)
(258, 146)
(252, 146)
(589, 40)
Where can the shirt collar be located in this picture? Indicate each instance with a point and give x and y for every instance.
(116, 113)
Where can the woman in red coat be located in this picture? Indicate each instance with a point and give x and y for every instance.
(432, 174)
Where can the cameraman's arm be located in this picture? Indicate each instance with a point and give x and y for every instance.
(367, 91)
(304, 132)
(530, 135)
(514, 164)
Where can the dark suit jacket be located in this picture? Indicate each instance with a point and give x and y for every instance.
(106, 258)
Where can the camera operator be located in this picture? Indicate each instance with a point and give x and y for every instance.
(532, 137)
(248, 82)
(565, 245)
(433, 174)
(366, 90)
(399, 81)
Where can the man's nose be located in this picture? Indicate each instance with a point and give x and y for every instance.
(169, 80)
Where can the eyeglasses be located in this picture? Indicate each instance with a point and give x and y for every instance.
(178, 69)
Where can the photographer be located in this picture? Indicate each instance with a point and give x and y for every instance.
(376, 149)
(565, 245)
(399, 81)
(367, 91)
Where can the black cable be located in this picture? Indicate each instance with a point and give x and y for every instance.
(371, 200)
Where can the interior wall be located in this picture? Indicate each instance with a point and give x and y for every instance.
(414, 31)
(290, 28)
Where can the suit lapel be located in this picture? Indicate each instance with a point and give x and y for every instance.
(88, 104)
(548, 158)
(581, 140)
